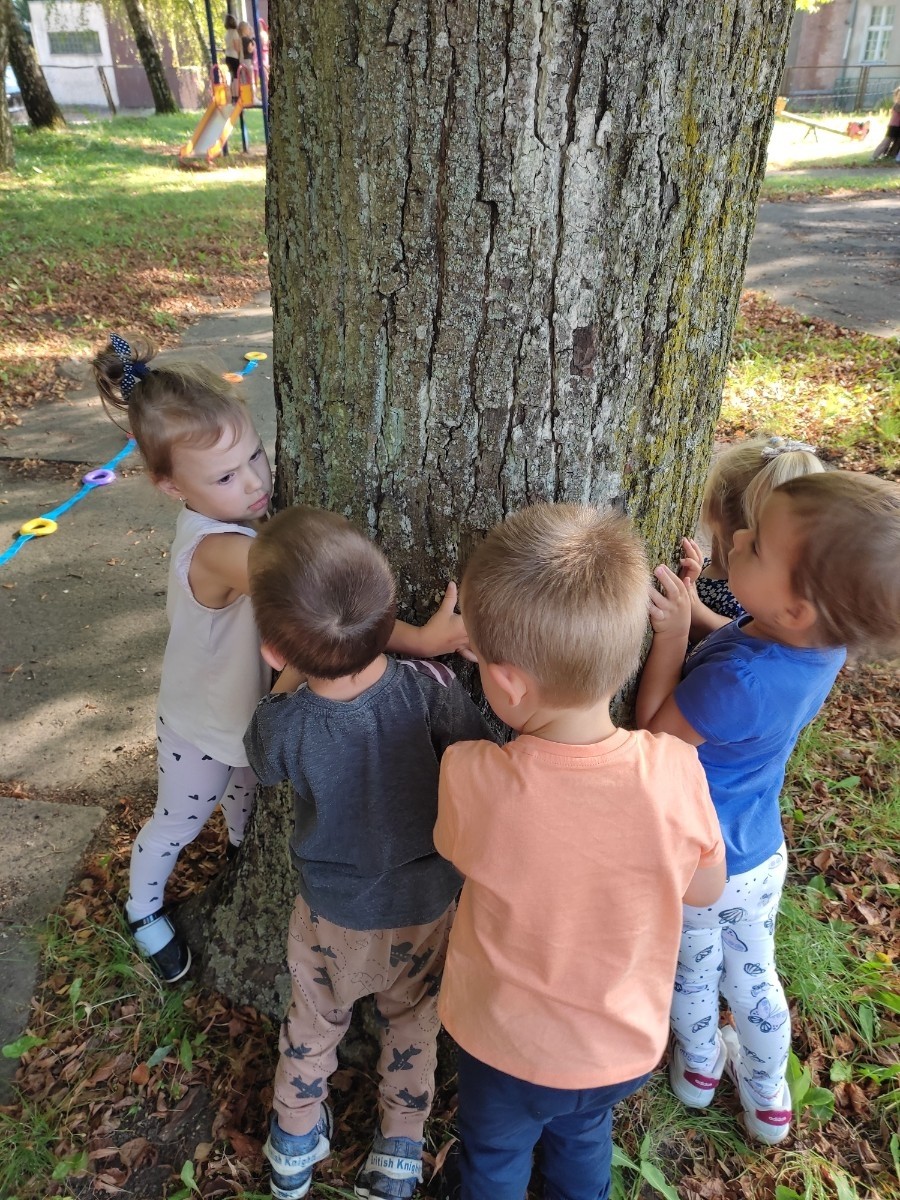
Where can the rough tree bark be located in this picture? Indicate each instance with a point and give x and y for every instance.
(507, 243)
(163, 100)
(7, 149)
(43, 111)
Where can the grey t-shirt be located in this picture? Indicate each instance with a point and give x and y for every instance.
(365, 779)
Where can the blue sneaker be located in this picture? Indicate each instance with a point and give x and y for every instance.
(293, 1156)
(392, 1170)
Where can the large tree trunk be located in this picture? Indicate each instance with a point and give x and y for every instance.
(43, 111)
(163, 99)
(507, 244)
(7, 150)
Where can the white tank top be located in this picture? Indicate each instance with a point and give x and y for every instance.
(213, 673)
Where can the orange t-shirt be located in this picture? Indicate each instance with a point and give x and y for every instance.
(562, 956)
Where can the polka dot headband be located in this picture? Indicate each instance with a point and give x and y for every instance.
(131, 371)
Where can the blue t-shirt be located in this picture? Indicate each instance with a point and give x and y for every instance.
(749, 698)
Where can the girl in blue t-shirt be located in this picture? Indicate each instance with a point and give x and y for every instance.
(741, 477)
(820, 572)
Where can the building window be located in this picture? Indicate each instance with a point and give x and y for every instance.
(878, 33)
(75, 41)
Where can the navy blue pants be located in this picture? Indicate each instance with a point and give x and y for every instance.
(501, 1120)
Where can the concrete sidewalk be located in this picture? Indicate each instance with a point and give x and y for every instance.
(838, 259)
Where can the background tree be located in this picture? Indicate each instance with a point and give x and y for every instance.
(507, 244)
(43, 111)
(184, 22)
(7, 150)
(163, 99)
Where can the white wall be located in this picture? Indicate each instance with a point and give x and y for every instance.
(73, 78)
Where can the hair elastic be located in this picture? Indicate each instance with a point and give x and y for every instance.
(780, 445)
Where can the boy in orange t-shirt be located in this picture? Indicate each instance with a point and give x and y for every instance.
(579, 842)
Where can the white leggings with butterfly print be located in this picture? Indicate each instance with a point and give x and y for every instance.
(730, 948)
(190, 785)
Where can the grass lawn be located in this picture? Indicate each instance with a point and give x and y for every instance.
(806, 378)
(108, 1051)
(804, 162)
(102, 230)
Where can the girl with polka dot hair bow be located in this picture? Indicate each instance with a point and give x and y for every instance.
(200, 447)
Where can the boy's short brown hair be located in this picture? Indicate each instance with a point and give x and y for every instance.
(848, 562)
(560, 591)
(323, 596)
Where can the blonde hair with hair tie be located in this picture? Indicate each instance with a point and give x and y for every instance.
(741, 478)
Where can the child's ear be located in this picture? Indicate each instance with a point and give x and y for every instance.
(799, 615)
(512, 683)
(169, 487)
(275, 660)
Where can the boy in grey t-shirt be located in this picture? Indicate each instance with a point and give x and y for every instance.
(361, 743)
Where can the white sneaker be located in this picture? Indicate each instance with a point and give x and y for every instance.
(694, 1088)
(769, 1124)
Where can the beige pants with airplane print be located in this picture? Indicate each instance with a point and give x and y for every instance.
(332, 967)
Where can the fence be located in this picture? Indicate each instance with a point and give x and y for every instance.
(840, 88)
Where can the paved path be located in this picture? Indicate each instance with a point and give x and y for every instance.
(82, 611)
(836, 259)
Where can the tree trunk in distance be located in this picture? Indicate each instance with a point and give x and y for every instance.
(507, 244)
(163, 99)
(43, 111)
(7, 148)
(200, 35)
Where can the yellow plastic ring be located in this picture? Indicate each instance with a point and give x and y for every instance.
(39, 527)
(255, 356)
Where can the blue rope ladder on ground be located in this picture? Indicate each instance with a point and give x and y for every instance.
(46, 524)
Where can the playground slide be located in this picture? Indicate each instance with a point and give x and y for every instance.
(213, 131)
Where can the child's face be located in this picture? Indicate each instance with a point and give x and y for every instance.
(228, 481)
(761, 563)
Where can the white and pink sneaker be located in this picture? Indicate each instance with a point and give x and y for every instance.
(769, 1124)
(694, 1088)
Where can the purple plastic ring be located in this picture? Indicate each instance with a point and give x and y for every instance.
(99, 478)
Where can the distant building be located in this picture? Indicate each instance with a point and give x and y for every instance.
(845, 56)
(92, 62)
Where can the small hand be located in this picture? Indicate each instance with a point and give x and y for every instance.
(670, 609)
(445, 632)
(691, 563)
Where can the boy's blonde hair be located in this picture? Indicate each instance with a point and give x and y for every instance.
(168, 406)
(560, 591)
(323, 596)
(741, 477)
(848, 562)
